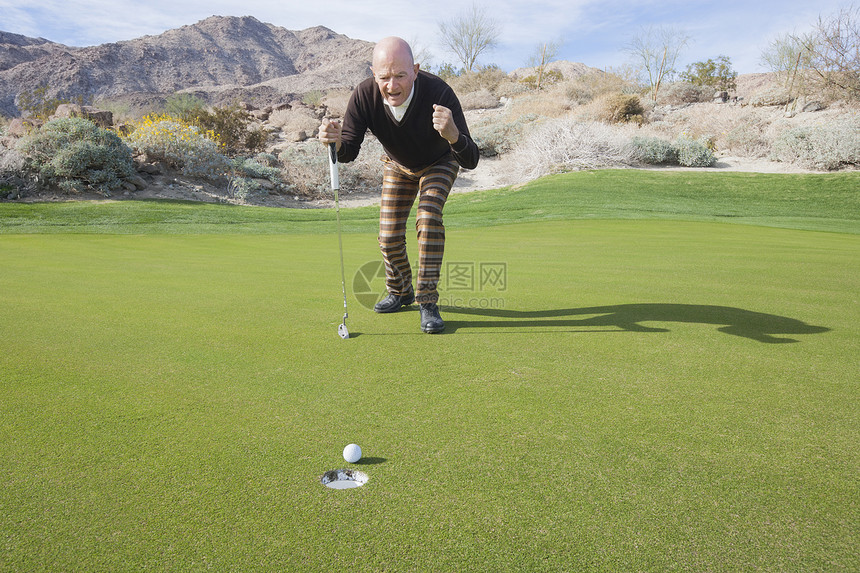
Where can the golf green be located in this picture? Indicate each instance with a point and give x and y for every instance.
(630, 395)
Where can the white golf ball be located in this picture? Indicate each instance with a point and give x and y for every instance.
(352, 453)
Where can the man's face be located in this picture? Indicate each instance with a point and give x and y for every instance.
(395, 74)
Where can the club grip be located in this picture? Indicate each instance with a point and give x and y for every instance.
(332, 165)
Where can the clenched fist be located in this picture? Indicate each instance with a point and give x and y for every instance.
(443, 122)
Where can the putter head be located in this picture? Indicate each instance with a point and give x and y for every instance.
(342, 331)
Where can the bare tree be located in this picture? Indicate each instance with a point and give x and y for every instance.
(657, 50)
(789, 57)
(421, 53)
(469, 35)
(545, 53)
(835, 48)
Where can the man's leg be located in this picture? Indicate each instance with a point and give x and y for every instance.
(398, 195)
(435, 185)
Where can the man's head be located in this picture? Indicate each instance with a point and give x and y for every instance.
(394, 70)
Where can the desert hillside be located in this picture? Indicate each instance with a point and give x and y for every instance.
(214, 55)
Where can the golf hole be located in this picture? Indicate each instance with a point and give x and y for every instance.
(343, 479)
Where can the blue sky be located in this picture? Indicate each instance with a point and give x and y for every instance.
(594, 32)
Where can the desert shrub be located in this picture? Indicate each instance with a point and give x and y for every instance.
(313, 98)
(773, 96)
(13, 174)
(232, 126)
(569, 145)
(546, 103)
(716, 75)
(248, 175)
(241, 188)
(654, 151)
(267, 159)
(585, 88)
(295, 120)
(822, 147)
(36, 103)
(488, 78)
(495, 137)
(693, 152)
(680, 93)
(548, 78)
(253, 168)
(481, 99)
(747, 139)
(307, 172)
(75, 154)
(180, 145)
(335, 102)
(185, 106)
(620, 108)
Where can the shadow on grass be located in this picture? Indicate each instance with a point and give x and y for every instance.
(371, 461)
(757, 326)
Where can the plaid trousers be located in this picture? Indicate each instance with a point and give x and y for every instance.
(400, 187)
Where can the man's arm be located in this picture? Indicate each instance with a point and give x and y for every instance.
(347, 135)
(465, 150)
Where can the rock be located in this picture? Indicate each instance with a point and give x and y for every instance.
(129, 186)
(297, 136)
(264, 184)
(138, 182)
(19, 127)
(150, 169)
(813, 106)
(65, 110)
(100, 117)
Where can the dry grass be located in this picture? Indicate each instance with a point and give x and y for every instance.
(295, 120)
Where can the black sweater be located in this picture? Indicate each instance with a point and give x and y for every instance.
(413, 143)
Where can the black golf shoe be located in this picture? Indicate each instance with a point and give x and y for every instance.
(431, 321)
(393, 302)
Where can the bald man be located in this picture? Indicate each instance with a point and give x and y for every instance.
(419, 122)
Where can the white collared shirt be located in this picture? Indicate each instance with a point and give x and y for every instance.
(400, 110)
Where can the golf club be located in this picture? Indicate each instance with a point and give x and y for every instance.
(335, 186)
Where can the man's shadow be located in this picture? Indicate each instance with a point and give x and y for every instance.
(630, 317)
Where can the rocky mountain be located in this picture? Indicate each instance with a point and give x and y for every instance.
(16, 49)
(218, 56)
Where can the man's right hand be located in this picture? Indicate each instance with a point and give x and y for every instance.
(330, 131)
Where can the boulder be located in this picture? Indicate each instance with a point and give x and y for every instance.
(19, 127)
(137, 181)
(65, 110)
(813, 106)
(100, 117)
(150, 168)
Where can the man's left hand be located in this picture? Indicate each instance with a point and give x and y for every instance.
(443, 122)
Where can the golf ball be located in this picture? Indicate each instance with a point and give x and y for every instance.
(352, 453)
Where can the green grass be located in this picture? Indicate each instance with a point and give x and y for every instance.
(647, 394)
(815, 202)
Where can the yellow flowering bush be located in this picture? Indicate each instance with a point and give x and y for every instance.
(183, 146)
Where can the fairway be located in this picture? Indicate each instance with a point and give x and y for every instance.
(609, 395)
